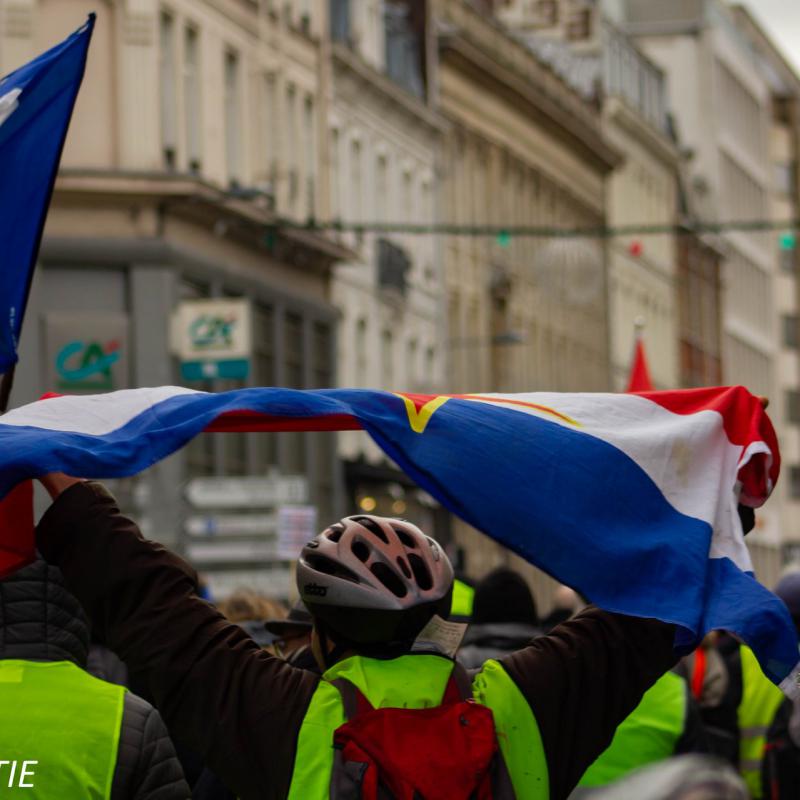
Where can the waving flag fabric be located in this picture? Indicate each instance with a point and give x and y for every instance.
(631, 499)
(35, 109)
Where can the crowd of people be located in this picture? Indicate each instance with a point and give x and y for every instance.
(119, 680)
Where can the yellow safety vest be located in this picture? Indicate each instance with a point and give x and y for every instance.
(761, 699)
(418, 681)
(65, 724)
(649, 734)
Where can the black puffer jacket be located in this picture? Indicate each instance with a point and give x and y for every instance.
(40, 620)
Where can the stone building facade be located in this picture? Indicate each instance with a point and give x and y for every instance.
(522, 148)
(198, 124)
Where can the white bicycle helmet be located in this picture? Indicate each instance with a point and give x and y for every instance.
(374, 580)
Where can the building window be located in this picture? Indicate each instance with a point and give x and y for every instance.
(790, 323)
(407, 194)
(787, 259)
(411, 364)
(430, 366)
(269, 131)
(169, 122)
(793, 405)
(361, 353)
(292, 145)
(579, 26)
(785, 178)
(310, 153)
(794, 482)
(191, 99)
(233, 127)
(403, 48)
(340, 21)
(547, 12)
(382, 189)
(356, 185)
(387, 360)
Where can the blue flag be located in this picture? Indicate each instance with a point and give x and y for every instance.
(36, 105)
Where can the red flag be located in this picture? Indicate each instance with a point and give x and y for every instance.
(639, 378)
(16, 513)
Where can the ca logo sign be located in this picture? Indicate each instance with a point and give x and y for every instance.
(9, 103)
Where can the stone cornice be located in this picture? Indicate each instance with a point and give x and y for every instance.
(345, 59)
(582, 130)
(659, 145)
(186, 195)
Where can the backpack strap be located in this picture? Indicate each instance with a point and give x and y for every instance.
(353, 699)
(461, 679)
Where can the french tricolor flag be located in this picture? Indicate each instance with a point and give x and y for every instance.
(630, 499)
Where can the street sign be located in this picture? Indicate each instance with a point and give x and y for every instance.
(213, 338)
(247, 492)
(231, 552)
(297, 525)
(212, 525)
(86, 353)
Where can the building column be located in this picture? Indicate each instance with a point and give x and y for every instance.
(153, 295)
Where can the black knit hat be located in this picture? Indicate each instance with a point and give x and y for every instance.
(504, 596)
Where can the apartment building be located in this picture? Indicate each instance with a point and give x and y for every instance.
(197, 128)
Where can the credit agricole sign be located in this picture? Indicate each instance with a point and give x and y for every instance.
(213, 339)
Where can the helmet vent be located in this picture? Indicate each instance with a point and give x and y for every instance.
(373, 527)
(421, 572)
(327, 566)
(405, 538)
(360, 550)
(404, 567)
(333, 534)
(389, 579)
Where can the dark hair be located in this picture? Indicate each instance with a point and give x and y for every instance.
(504, 596)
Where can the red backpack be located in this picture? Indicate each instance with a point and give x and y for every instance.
(448, 752)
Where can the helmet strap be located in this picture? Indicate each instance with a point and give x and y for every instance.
(332, 655)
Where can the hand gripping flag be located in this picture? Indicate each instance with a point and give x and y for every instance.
(631, 499)
(35, 108)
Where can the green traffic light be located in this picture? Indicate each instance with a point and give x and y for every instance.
(503, 238)
(788, 240)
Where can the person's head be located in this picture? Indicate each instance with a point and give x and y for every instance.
(372, 584)
(504, 596)
(788, 589)
(246, 604)
(291, 632)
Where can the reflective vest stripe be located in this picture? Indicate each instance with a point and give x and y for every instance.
(69, 722)
(761, 699)
(417, 681)
(463, 599)
(754, 730)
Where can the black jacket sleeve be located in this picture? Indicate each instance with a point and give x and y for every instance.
(147, 766)
(583, 679)
(236, 705)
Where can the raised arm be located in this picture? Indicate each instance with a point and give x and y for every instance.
(217, 691)
(583, 679)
